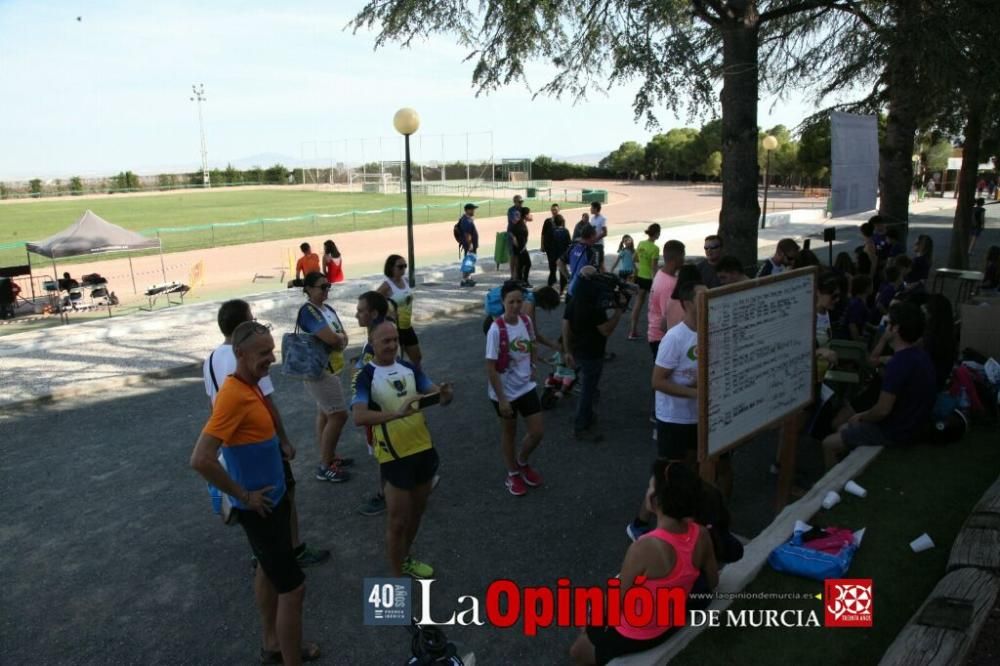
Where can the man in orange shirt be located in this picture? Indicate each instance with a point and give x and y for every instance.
(307, 263)
(243, 426)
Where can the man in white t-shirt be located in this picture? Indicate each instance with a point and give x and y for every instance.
(675, 381)
(600, 224)
(510, 369)
(220, 364)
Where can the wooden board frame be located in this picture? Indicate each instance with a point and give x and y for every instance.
(704, 355)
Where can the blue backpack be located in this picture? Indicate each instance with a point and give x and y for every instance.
(494, 306)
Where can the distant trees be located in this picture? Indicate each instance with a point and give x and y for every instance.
(35, 187)
(75, 186)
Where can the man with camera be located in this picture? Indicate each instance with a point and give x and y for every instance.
(586, 327)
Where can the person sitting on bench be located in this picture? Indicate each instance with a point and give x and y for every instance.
(307, 263)
(67, 283)
(906, 396)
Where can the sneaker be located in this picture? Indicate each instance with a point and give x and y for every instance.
(635, 529)
(342, 462)
(374, 506)
(416, 568)
(333, 474)
(467, 283)
(530, 476)
(515, 485)
(308, 557)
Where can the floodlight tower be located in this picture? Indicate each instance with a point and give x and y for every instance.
(199, 96)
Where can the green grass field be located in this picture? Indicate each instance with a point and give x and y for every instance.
(208, 219)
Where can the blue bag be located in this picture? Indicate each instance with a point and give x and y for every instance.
(794, 558)
(493, 306)
(469, 263)
(303, 355)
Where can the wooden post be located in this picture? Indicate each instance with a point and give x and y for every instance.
(788, 439)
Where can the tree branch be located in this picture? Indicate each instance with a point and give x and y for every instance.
(846, 6)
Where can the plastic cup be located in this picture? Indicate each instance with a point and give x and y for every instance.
(855, 489)
(922, 543)
(831, 500)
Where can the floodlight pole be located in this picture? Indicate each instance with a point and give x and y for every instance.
(199, 96)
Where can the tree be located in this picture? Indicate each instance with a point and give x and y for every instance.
(712, 166)
(677, 153)
(276, 174)
(677, 50)
(35, 187)
(126, 180)
(232, 175)
(814, 148)
(627, 161)
(75, 186)
(937, 154)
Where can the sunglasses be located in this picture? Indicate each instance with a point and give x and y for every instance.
(250, 331)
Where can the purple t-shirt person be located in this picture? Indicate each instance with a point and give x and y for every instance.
(909, 375)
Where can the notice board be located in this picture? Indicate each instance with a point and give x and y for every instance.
(756, 343)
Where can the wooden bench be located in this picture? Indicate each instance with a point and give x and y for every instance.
(945, 627)
(978, 542)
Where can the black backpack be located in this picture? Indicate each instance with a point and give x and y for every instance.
(459, 235)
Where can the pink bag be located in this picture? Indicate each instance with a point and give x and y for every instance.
(834, 541)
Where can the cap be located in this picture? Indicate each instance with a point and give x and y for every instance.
(470, 206)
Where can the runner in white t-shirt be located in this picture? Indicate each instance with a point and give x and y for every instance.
(510, 370)
(217, 367)
(600, 223)
(675, 381)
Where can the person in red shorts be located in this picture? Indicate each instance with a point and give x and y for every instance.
(244, 428)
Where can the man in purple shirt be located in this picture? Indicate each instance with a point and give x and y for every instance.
(907, 396)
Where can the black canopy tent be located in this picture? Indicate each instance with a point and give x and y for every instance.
(91, 234)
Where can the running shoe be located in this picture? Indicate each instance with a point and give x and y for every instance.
(307, 557)
(416, 568)
(373, 506)
(530, 476)
(343, 462)
(333, 474)
(635, 529)
(515, 485)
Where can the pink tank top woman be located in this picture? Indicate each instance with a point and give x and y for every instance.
(683, 575)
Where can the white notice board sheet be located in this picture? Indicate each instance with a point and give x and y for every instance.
(756, 344)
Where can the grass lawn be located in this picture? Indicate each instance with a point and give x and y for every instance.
(208, 213)
(912, 491)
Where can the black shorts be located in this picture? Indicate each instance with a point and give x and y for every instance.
(609, 644)
(408, 337)
(412, 471)
(654, 346)
(645, 284)
(271, 541)
(289, 477)
(674, 440)
(525, 405)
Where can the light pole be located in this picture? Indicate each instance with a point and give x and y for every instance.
(406, 121)
(770, 143)
(199, 96)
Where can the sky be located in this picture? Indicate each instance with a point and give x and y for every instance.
(111, 92)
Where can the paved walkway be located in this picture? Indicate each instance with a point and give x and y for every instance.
(60, 362)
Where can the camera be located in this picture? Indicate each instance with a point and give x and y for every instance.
(610, 291)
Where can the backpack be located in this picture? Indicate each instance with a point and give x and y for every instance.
(493, 306)
(458, 233)
(503, 357)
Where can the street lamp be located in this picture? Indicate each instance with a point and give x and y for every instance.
(770, 143)
(406, 121)
(199, 96)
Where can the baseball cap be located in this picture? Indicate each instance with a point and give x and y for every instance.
(470, 206)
